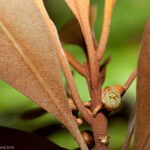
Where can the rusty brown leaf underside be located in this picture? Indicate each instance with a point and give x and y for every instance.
(81, 11)
(142, 124)
(29, 61)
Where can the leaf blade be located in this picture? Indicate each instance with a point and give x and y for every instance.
(142, 124)
(32, 65)
(71, 33)
(81, 11)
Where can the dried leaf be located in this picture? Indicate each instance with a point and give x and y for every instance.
(28, 58)
(72, 34)
(142, 124)
(92, 15)
(80, 9)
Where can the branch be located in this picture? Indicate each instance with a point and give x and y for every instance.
(75, 64)
(68, 74)
(75, 95)
(100, 130)
(130, 79)
(87, 33)
(109, 6)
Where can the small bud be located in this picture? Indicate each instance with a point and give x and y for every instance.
(79, 121)
(111, 97)
(104, 139)
(88, 138)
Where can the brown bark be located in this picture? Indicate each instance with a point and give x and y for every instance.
(100, 131)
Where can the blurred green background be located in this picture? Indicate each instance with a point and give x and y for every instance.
(128, 22)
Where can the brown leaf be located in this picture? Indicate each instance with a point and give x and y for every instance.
(92, 15)
(103, 67)
(142, 124)
(80, 9)
(147, 144)
(72, 34)
(28, 58)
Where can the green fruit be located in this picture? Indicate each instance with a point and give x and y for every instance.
(111, 100)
